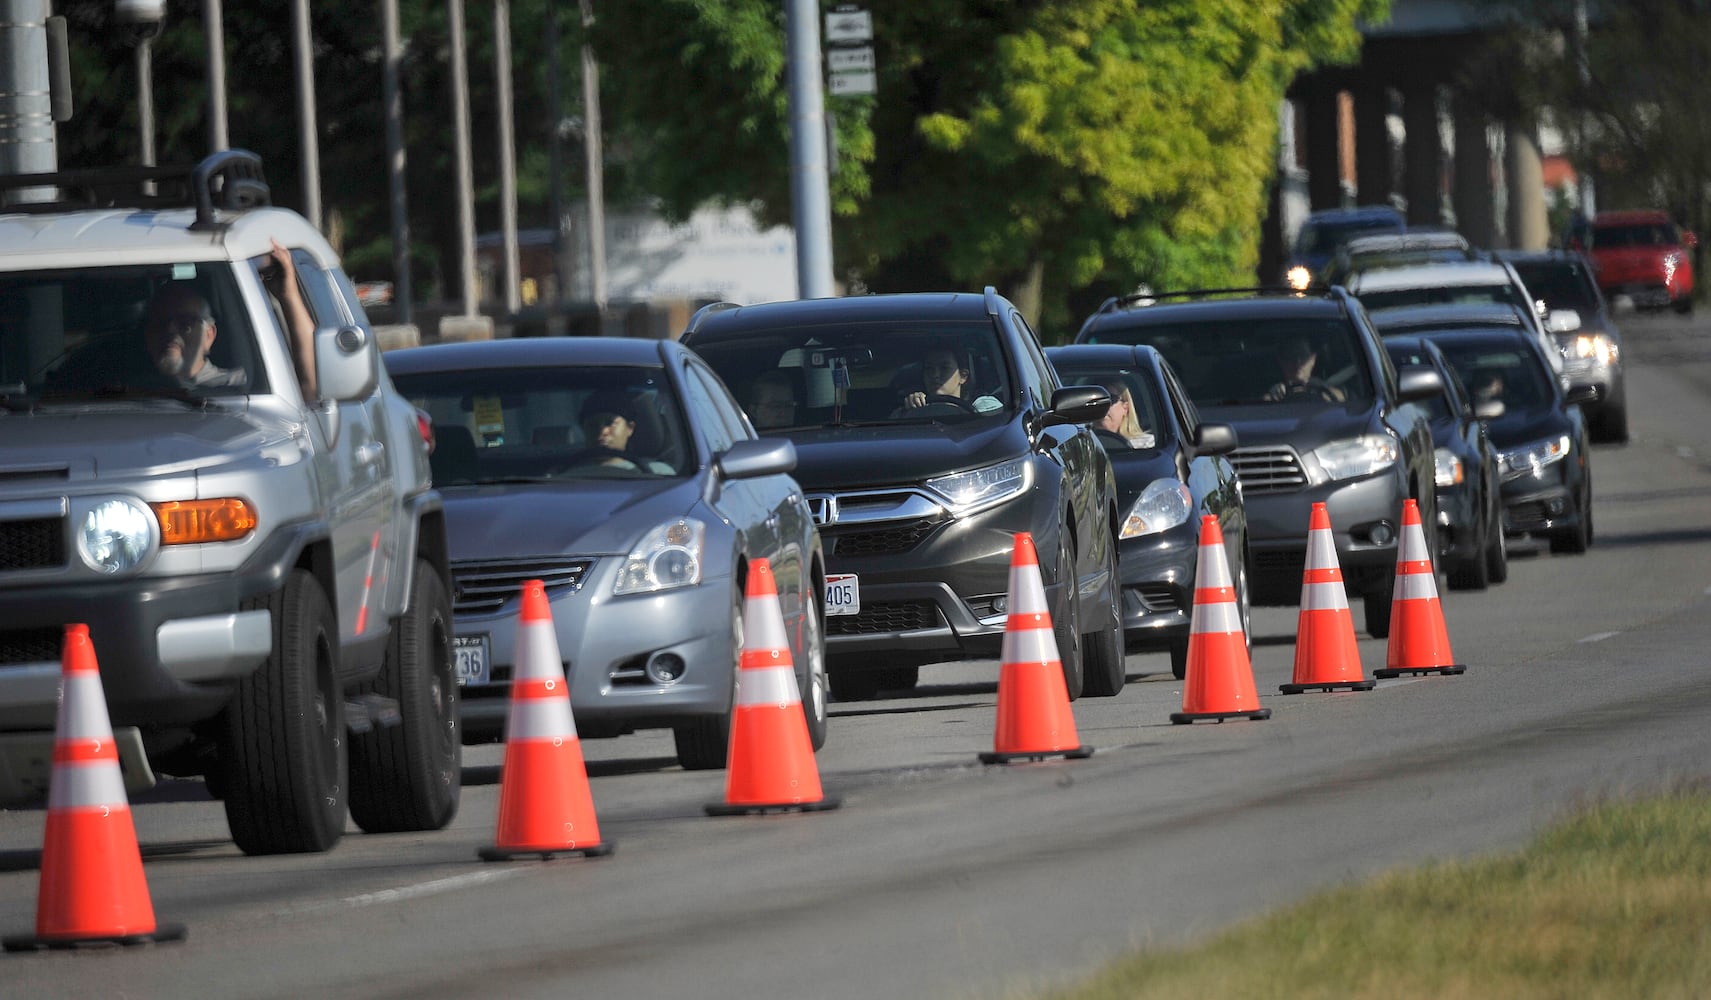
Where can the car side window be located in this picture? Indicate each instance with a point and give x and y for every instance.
(1186, 414)
(322, 298)
(1043, 377)
(704, 411)
(730, 414)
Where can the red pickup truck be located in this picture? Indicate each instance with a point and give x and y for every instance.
(1643, 255)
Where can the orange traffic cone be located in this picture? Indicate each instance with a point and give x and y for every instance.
(1326, 657)
(770, 766)
(1220, 681)
(545, 806)
(1034, 720)
(1419, 643)
(92, 887)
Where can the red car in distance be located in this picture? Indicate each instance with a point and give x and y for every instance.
(1643, 255)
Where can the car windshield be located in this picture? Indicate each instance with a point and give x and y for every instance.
(118, 333)
(1503, 294)
(1562, 284)
(1134, 421)
(500, 425)
(1651, 234)
(1512, 375)
(865, 374)
(1230, 362)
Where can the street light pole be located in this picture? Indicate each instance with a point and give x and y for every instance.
(460, 140)
(213, 26)
(810, 186)
(507, 155)
(395, 160)
(595, 159)
(309, 143)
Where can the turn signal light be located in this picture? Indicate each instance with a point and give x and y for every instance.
(186, 522)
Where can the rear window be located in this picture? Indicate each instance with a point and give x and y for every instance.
(1562, 284)
(1503, 294)
(1513, 375)
(1651, 234)
(1324, 237)
(1238, 362)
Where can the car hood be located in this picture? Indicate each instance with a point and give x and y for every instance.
(515, 520)
(1520, 427)
(1303, 426)
(1135, 470)
(117, 441)
(833, 458)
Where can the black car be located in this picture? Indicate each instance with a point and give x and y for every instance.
(1171, 469)
(1473, 549)
(1591, 344)
(1322, 415)
(1540, 436)
(930, 429)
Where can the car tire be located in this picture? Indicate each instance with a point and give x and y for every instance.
(1611, 427)
(1179, 659)
(1376, 605)
(1496, 548)
(1104, 665)
(1576, 540)
(283, 749)
(408, 776)
(1684, 305)
(704, 741)
(856, 685)
(1066, 620)
(812, 679)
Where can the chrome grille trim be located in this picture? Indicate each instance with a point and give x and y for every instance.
(1269, 469)
(483, 587)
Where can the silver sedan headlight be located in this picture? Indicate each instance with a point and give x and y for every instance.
(1594, 347)
(1449, 468)
(1364, 456)
(978, 489)
(1165, 503)
(666, 558)
(115, 536)
(1533, 457)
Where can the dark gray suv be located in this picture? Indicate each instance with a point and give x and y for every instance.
(1322, 416)
(929, 430)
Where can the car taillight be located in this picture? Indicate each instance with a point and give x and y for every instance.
(425, 427)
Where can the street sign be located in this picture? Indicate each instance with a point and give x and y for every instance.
(850, 84)
(845, 25)
(850, 60)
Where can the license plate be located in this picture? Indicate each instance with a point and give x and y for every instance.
(470, 657)
(843, 594)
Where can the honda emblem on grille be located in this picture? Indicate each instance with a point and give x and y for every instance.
(823, 507)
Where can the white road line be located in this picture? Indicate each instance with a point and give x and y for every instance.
(402, 893)
(1597, 637)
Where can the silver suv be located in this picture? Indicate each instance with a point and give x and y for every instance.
(262, 570)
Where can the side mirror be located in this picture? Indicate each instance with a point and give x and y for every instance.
(1488, 409)
(1562, 321)
(347, 365)
(753, 459)
(1415, 384)
(1583, 394)
(1214, 439)
(1077, 404)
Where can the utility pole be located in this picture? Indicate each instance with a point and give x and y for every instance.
(595, 159)
(213, 26)
(27, 139)
(460, 139)
(507, 154)
(395, 161)
(555, 162)
(810, 188)
(309, 144)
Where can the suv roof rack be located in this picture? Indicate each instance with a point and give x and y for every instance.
(228, 181)
(1148, 298)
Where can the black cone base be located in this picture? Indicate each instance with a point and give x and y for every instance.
(1183, 718)
(751, 808)
(162, 932)
(1387, 673)
(1327, 686)
(1073, 753)
(598, 850)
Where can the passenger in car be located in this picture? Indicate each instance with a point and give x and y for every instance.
(945, 381)
(771, 400)
(1295, 360)
(1121, 422)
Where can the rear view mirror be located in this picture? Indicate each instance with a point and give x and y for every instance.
(1417, 383)
(1488, 409)
(1562, 321)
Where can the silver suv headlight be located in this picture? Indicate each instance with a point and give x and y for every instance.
(1532, 457)
(666, 558)
(1363, 456)
(1448, 467)
(978, 489)
(1165, 503)
(115, 536)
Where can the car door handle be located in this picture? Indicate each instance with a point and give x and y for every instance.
(370, 453)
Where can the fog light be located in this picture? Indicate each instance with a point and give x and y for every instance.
(1001, 605)
(1557, 506)
(665, 668)
(1382, 533)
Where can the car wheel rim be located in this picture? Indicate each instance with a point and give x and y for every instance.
(815, 654)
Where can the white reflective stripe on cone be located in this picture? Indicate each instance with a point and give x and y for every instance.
(87, 785)
(1029, 645)
(535, 657)
(766, 686)
(1414, 587)
(1414, 544)
(763, 623)
(1321, 550)
(1027, 593)
(83, 709)
(1220, 617)
(1212, 571)
(1324, 597)
(540, 719)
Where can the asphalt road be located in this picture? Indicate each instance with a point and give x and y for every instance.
(940, 877)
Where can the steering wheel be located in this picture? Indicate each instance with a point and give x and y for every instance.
(1313, 386)
(940, 399)
(597, 455)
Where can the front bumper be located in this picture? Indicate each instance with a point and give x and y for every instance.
(1366, 520)
(1158, 573)
(1459, 524)
(1536, 505)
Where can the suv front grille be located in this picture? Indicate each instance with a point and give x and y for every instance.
(1271, 469)
(38, 543)
(30, 645)
(482, 588)
(885, 616)
(891, 539)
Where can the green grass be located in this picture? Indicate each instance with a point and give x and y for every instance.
(1613, 903)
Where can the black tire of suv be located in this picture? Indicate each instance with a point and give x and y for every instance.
(1179, 659)
(703, 742)
(1066, 618)
(1611, 426)
(811, 671)
(1497, 547)
(408, 776)
(1104, 667)
(1376, 605)
(283, 747)
(857, 685)
(1576, 540)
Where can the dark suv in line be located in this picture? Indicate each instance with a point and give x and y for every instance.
(929, 430)
(1321, 413)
